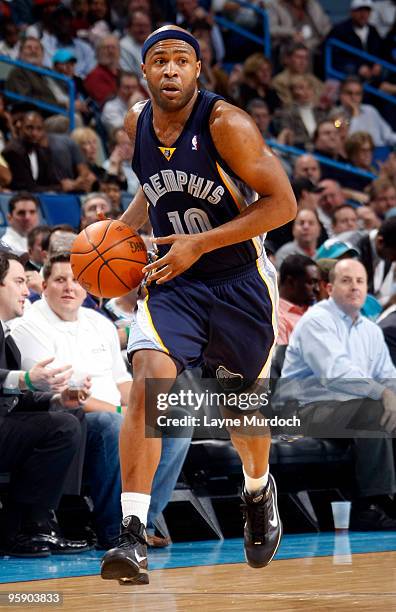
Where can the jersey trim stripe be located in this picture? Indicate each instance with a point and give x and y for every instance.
(239, 200)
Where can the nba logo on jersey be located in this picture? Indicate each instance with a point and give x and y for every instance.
(194, 143)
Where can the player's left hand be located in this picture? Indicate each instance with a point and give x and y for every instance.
(184, 252)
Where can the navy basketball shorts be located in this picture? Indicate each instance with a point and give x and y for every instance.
(227, 326)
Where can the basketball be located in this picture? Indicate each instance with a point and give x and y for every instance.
(107, 258)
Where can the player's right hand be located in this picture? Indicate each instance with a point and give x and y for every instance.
(50, 379)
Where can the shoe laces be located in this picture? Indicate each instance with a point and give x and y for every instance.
(256, 516)
(128, 538)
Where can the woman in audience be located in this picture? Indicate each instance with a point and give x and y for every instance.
(256, 82)
(88, 142)
(359, 148)
(303, 114)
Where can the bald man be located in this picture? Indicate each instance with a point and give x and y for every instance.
(306, 166)
(338, 367)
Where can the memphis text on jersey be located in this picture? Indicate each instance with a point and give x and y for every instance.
(169, 181)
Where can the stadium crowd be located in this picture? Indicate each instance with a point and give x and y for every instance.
(335, 138)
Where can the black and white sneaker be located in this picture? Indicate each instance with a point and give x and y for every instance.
(263, 528)
(127, 562)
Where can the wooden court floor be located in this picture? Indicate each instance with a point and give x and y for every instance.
(319, 583)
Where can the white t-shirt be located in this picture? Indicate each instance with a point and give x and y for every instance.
(17, 243)
(89, 344)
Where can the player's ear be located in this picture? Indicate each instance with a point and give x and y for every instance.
(143, 71)
(198, 68)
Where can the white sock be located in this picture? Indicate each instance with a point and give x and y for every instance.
(252, 485)
(136, 504)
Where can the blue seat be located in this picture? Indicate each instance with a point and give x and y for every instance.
(4, 199)
(61, 208)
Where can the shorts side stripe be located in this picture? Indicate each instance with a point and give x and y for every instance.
(266, 367)
(150, 321)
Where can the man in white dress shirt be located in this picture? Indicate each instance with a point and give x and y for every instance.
(22, 217)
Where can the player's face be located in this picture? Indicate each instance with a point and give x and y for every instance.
(64, 295)
(171, 70)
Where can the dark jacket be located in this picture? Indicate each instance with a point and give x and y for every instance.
(16, 155)
(388, 326)
(366, 257)
(10, 359)
(344, 32)
(31, 84)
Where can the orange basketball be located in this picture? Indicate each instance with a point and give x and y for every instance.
(107, 258)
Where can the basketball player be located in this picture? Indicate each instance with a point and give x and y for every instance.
(212, 297)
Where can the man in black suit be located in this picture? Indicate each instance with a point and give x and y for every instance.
(30, 163)
(357, 32)
(37, 442)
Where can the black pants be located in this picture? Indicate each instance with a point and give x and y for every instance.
(37, 448)
(359, 421)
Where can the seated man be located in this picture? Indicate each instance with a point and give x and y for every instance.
(344, 219)
(338, 368)
(299, 279)
(306, 231)
(60, 327)
(30, 163)
(23, 216)
(37, 442)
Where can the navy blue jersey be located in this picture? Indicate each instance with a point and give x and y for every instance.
(190, 189)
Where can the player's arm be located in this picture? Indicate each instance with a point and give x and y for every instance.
(249, 157)
(136, 214)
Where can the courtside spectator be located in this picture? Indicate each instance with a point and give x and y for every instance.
(299, 278)
(338, 368)
(23, 216)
